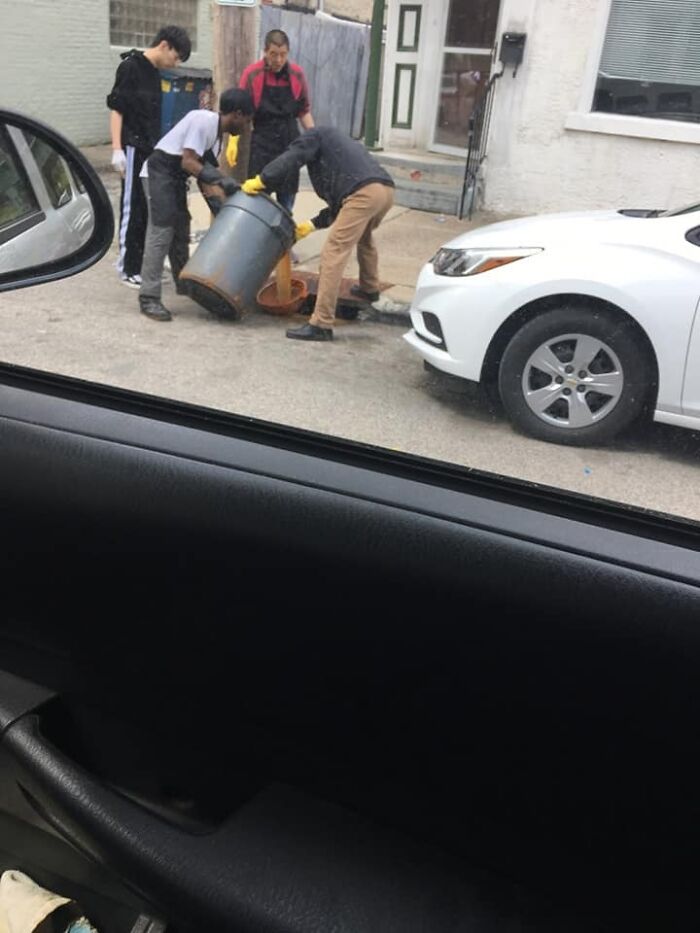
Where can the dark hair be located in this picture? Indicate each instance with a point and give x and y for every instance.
(177, 39)
(235, 98)
(276, 37)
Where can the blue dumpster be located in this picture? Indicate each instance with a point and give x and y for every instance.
(184, 89)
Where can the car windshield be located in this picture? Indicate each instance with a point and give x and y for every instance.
(281, 230)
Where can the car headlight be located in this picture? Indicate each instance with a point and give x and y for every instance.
(474, 261)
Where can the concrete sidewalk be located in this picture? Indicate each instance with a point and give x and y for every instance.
(406, 240)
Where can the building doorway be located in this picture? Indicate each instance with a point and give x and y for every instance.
(467, 56)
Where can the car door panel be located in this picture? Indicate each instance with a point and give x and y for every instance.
(284, 862)
(111, 906)
(691, 381)
(223, 608)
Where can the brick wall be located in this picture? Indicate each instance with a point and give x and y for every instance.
(358, 10)
(56, 62)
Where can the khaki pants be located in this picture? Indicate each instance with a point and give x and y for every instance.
(360, 215)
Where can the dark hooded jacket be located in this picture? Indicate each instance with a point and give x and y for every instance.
(136, 95)
(337, 166)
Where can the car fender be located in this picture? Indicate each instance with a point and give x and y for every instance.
(657, 291)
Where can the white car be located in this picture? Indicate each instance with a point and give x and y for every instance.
(45, 214)
(583, 321)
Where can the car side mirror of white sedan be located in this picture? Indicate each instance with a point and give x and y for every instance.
(56, 218)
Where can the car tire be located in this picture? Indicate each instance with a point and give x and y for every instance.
(577, 375)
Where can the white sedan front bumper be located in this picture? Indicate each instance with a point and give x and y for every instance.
(455, 319)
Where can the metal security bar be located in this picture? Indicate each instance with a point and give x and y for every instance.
(477, 139)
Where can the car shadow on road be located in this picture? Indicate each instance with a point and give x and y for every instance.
(651, 437)
(473, 400)
(463, 397)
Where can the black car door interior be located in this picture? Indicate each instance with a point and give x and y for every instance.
(276, 682)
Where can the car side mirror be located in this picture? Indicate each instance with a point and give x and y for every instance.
(56, 218)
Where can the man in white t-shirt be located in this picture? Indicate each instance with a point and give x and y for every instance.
(192, 147)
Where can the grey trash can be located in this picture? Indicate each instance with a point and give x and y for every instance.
(235, 257)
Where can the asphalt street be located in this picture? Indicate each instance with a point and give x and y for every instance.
(367, 386)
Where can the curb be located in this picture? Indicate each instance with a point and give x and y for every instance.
(387, 311)
(395, 318)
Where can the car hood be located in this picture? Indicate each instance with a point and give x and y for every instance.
(554, 229)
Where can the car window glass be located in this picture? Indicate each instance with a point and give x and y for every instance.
(17, 199)
(77, 182)
(53, 170)
(510, 306)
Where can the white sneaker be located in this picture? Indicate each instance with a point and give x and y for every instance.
(133, 281)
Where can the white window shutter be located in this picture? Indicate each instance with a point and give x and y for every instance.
(653, 40)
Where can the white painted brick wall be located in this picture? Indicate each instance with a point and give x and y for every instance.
(56, 62)
(360, 10)
(534, 164)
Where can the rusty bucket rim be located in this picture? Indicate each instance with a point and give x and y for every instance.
(288, 308)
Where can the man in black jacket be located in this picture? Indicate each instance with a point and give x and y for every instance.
(135, 105)
(358, 191)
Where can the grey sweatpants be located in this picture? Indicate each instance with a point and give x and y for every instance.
(171, 237)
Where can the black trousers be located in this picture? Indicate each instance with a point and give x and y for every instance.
(133, 215)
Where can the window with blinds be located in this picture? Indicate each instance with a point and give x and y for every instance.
(135, 22)
(650, 65)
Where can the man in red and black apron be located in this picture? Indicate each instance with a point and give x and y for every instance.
(281, 98)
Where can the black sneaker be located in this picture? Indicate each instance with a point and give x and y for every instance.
(310, 332)
(154, 309)
(358, 292)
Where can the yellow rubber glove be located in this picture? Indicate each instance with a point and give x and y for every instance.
(253, 185)
(232, 150)
(303, 229)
